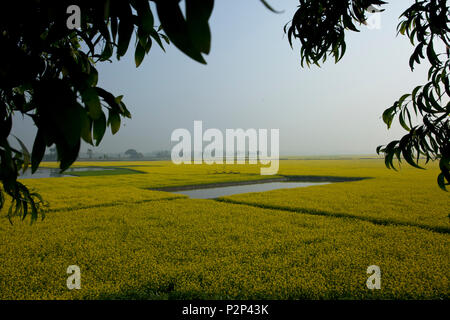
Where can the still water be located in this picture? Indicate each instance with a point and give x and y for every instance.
(55, 173)
(211, 193)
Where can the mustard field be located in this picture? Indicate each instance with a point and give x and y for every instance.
(132, 242)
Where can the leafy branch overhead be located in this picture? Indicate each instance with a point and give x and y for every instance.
(47, 73)
(426, 24)
(320, 26)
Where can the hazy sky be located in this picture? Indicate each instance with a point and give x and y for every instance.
(253, 79)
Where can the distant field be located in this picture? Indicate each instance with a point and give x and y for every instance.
(306, 243)
(111, 172)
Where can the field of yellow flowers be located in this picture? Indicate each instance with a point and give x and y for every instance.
(306, 243)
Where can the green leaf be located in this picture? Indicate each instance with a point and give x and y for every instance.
(348, 23)
(402, 27)
(431, 54)
(176, 28)
(107, 52)
(390, 152)
(92, 101)
(378, 150)
(114, 121)
(388, 115)
(93, 77)
(99, 128)
(139, 54)
(126, 27)
(402, 99)
(67, 154)
(407, 155)
(266, 4)
(148, 45)
(118, 99)
(142, 37)
(68, 123)
(114, 28)
(145, 15)
(402, 122)
(155, 35)
(125, 111)
(25, 153)
(441, 182)
(38, 150)
(106, 9)
(86, 127)
(198, 13)
(109, 98)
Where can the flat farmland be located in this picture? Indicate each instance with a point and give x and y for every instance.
(316, 242)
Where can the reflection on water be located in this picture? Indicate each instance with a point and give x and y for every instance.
(211, 193)
(55, 173)
(42, 173)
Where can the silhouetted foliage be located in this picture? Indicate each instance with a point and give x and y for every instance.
(47, 73)
(133, 154)
(320, 26)
(426, 24)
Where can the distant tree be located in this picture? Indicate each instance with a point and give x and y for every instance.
(48, 73)
(133, 154)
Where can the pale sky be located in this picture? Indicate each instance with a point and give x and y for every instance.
(253, 79)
